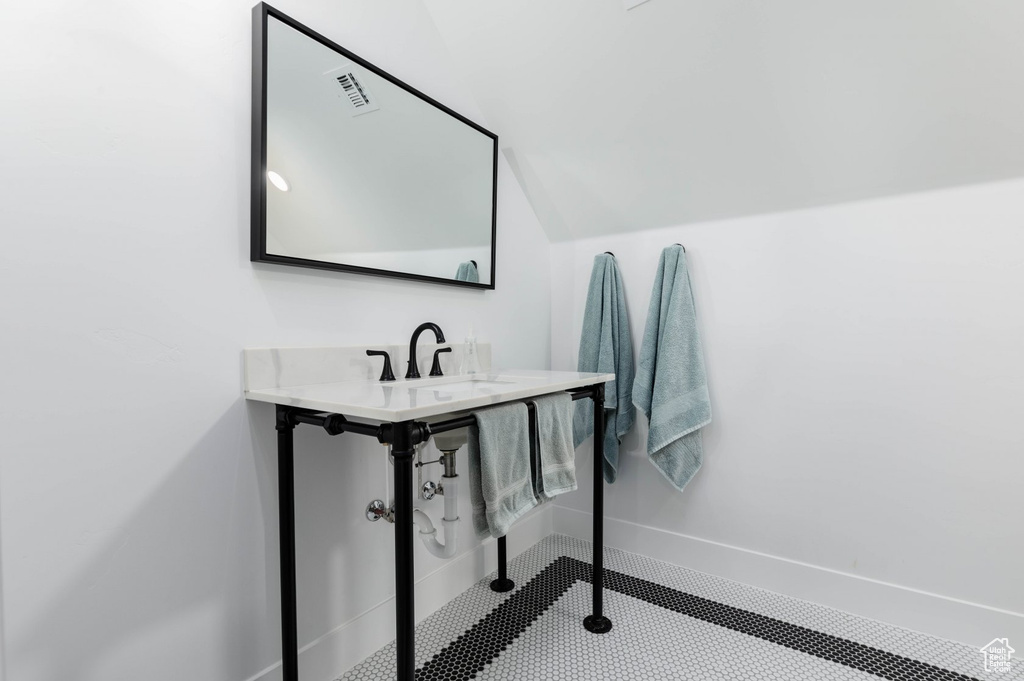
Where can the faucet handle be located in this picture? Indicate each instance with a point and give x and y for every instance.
(435, 368)
(386, 374)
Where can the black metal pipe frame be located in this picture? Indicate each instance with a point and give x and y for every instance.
(403, 450)
(597, 622)
(502, 583)
(286, 516)
(403, 438)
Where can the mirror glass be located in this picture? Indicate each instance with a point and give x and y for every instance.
(360, 172)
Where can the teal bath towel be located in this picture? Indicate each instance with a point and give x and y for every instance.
(606, 347)
(500, 480)
(671, 385)
(556, 455)
(467, 272)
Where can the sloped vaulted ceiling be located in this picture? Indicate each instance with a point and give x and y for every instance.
(685, 110)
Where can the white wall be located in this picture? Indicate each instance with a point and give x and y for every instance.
(137, 488)
(867, 379)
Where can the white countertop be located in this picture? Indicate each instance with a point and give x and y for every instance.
(407, 399)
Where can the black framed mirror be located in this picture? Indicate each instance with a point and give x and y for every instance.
(356, 171)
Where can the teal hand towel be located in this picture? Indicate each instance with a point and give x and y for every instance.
(500, 480)
(671, 385)
(467, 272)
(606, 347)
(556, 453)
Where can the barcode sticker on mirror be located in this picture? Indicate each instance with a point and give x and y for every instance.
(352, 88)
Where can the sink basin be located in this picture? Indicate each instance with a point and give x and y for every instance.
(477, 382)
(288, 376)
(466, 386)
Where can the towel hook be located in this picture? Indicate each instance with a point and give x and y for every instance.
(682, 247)
(478, 267)
(609, 253)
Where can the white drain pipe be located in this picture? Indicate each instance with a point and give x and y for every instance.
(428, 533)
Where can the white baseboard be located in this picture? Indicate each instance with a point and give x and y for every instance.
(342, 648)
(928, 613)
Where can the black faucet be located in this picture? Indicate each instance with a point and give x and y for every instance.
(386, 373)
(435, 368)
(414, 371)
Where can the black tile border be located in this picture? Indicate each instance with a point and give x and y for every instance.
(470, 653)
(467, 655)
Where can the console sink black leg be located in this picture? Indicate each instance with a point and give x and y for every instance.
(502, 583)
(597, 622)
(286, 510)
(403, 449)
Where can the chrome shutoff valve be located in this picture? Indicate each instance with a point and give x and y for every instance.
(429, 490)
(377, 510)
